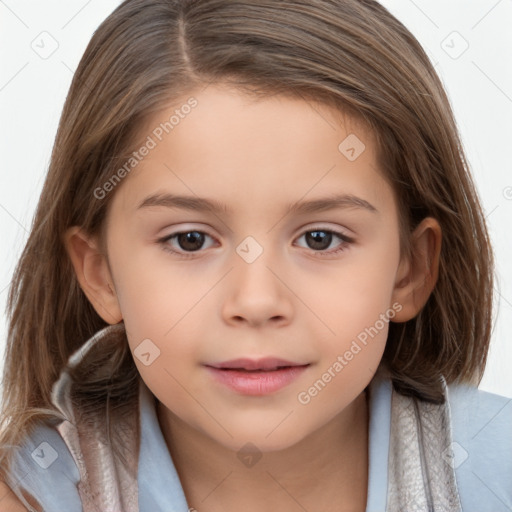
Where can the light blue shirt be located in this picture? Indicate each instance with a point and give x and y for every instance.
(481, 448)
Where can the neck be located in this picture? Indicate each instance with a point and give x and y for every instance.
(327, 470)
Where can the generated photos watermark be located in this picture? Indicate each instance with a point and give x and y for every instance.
(150, 143)
(305, 397)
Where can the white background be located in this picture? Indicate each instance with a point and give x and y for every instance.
(478, 81)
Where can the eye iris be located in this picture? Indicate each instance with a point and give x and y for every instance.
(194, 238)
(318, 239)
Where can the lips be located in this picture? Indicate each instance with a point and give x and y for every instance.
(263, 365)
(256, 377)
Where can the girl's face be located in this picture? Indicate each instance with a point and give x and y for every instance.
(298, 260)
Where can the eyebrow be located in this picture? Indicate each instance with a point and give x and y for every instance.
(201, 204)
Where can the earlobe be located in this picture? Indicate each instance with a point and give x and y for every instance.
(93, 273)
(417, 274)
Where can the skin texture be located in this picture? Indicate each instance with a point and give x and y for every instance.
(8, 501)
(294, 301)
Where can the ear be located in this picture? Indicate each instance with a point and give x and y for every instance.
(93, 273)
(417, 274)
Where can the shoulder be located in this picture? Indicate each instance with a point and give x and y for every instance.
(481, 416)
(481, 450)
(38, 466)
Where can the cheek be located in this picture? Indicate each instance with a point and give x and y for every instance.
(353, 294)
(161, 310)
(358, 320)
(151, 294)
(354, 305)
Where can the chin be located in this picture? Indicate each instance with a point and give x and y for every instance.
(260, 440)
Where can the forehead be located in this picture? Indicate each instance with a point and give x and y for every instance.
(247, 152)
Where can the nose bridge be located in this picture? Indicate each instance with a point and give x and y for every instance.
(256, 257)
(257, 294)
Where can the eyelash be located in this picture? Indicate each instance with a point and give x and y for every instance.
(185, 255)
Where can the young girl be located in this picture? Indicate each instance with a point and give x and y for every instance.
(259, 276)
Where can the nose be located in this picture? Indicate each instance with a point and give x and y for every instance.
(258, 293)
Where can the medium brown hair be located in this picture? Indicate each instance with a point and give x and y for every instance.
(351, 54)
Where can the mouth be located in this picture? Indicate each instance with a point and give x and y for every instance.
(256, 365)
(257, 370)
(256, 377)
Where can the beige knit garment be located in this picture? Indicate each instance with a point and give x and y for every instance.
(106, 484)
(421, 477)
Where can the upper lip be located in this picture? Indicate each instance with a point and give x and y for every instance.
(244, 363)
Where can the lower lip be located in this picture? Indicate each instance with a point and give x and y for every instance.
(257, 383)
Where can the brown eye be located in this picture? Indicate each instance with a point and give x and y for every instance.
(184, 243)
(190, 241)
(319, 240)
